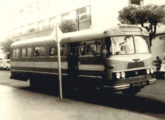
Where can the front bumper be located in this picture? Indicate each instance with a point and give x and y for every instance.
(133, 82)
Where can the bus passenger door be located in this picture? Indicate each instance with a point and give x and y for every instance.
(73, 61)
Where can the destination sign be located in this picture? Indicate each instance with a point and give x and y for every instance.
(130, 29)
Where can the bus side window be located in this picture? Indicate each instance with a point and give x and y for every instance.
(36, 51)
(63, 50)
(53, 51)
(29, 52)
(39, 51)
(16, 53)
(42, 51)
(91, 48)
(24, 52)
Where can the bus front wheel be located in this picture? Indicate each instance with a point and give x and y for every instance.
(131, 92)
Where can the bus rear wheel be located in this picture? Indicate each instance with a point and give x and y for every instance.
(33, 83)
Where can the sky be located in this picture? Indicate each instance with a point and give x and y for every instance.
(158, 2)
(6, 8)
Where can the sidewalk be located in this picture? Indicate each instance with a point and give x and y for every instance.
(21, 104)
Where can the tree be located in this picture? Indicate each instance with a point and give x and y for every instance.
(147, 16)
(127, 15)
(156, 15)
(6, 45)
(68, 26)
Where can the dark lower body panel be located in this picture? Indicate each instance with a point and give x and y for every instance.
(85, 80)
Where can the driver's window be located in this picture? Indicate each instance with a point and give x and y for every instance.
(123, 45)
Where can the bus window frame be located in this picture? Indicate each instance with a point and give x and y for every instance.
(108, 47)
(65, 50)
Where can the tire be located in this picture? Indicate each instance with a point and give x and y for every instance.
(131, 92)
(7, 69)
(163, 75)
(33, 83)
(42, 83)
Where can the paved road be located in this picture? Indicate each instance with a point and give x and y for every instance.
(19, 102)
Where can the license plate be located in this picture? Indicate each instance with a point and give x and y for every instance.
(139, 84)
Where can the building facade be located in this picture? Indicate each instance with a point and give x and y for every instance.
(40, 16)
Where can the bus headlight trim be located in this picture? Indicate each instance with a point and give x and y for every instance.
(123, 74)
(152, 70)
(148, 71)
(118, 75)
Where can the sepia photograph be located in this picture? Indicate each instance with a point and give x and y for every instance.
(82, 59)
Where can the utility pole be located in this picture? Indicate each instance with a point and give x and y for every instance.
(58, 39)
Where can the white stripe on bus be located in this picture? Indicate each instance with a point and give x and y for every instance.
(32, 64)
(37, 72)
(91, 67)
(52, 65)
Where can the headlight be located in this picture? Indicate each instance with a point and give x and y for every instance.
(152, 70)
(148, 71)
(123, 74)
(118, 75)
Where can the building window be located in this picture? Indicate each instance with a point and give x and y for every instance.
(17, 31)
(69, 23)
(24, 29)
(52, 22)
(83, 17)
(43, 24)
(31, 27)
(136, 2)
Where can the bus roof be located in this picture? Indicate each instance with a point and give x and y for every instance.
(33, 42)
(84, 35)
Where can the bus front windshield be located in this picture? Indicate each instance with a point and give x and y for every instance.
(124, 45)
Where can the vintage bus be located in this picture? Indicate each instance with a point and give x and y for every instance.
(117, 58)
